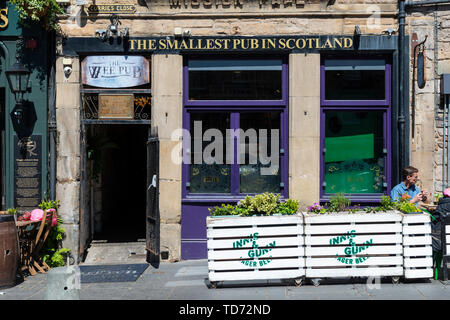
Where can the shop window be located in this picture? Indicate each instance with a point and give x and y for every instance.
(258, 172)
(347, 79)
(354, 151)
(209, 170)
(355, 128)
(243, 102)
(242, 156)
(235, 79)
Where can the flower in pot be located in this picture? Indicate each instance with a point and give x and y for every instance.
(44, 11)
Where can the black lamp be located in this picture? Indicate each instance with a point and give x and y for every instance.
(18, 77)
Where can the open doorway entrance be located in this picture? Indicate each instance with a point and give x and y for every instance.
(116, 170)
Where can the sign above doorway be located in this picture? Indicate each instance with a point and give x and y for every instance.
(115, 71)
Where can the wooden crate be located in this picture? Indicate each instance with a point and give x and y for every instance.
(417, 248)
(353, 245)
(255, 248)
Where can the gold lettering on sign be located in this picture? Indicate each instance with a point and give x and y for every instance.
(209, 44)
(4, 18)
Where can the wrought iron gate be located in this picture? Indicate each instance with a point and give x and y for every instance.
(152, 225)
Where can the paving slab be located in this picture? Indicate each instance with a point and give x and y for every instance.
(188, 280)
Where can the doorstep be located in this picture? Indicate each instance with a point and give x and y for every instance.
(115, 253)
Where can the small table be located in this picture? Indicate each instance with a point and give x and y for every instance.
(428, 206)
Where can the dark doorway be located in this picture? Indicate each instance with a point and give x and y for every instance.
(118, 159)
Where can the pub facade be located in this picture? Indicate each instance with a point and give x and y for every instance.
(160, 92)
(26, 57)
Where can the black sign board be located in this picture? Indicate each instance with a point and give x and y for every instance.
(27, 172)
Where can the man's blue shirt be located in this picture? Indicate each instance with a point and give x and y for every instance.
(401, 189)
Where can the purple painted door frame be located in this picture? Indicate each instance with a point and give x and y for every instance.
(367, 105)
(194, 209)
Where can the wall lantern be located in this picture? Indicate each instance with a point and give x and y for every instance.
(18, 78)
(23, 115)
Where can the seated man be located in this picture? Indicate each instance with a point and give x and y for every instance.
(408, 186)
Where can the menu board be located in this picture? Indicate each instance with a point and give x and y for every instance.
(27, 172)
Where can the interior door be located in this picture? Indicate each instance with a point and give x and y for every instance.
(152, 210)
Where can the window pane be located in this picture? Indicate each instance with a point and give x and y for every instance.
(260, 152)
(354, 157)
(209, 171)
(355, 80)
(235, 79)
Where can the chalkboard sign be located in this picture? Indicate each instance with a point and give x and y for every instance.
(27, 172)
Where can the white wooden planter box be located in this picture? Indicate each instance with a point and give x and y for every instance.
(417, 246)
(353, 245)
(255, 248)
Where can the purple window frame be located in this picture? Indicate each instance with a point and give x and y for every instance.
(356, 105)
(235, 107)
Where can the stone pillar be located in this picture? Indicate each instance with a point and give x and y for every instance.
(167, 116)
(304, 128)
(68, 152)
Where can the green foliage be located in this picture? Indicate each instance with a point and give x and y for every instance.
(405, 206)
(44, 11)
(52, 252)
(338, 203)
(223, 210)
(264, 203)
(288, 207)
(49, 204)
(12, 210)
(261, 204)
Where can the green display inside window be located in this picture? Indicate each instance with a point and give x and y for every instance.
(354, 152)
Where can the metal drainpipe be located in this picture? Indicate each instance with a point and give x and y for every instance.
(444, 144)
(52, 118)
(401, 75)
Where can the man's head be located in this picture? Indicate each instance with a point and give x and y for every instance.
(410, 175)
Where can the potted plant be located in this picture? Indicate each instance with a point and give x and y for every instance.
(352, 242)
(44, 11)
(260, 238)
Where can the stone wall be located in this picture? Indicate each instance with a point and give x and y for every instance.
(68, 170)
(253, 18)
(427, 143)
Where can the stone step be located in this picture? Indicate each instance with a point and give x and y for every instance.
(116, 253)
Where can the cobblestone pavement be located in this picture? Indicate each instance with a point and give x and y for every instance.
(188, 280)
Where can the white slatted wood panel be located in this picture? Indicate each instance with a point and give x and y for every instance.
(358, 239)
(256, 275)
(244, 254)
(345, 217)
(332, 251)
(263, 242)
(417, 249)
(260, 264)
(262, 231)
(419, 273)
(326, 258)
(354, 272)
(232, 255)
(371, 261)
(359, 228)
(251, 221)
